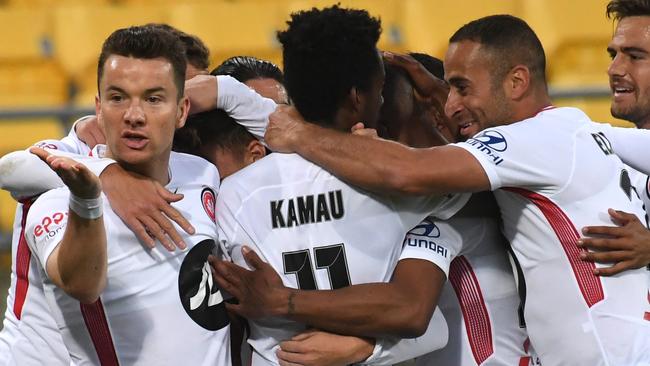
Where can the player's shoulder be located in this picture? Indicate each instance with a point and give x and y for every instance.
(275, 169)
(187, 168)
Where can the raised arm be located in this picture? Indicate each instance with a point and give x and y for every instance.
(375, 164)
(249, 109)
(78, 263)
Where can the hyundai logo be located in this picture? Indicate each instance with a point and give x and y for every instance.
(493, 139)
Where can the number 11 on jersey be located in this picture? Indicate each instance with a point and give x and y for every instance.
(331, 258)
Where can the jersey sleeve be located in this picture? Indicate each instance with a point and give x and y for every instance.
(434, 241)
(25, 175)
(512, 159)
(629, 144)
(413, 209)
(46, 223)
(390, 351)
(244, 105)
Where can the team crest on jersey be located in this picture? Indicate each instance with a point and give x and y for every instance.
(208, 199)
(199, 293)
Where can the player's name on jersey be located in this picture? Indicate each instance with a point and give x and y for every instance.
(307, 209)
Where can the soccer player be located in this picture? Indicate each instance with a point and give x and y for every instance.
(480, 301)
(628, 245)
(260, 75)
(552, 170)
(113, 301)
(315, 230)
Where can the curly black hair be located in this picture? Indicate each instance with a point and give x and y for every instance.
(326, 52)
(244, 68)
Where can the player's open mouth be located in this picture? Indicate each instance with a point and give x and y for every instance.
(134, 140)
(465, 128)
(620, 89)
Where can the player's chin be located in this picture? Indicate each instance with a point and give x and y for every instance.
(135, 157)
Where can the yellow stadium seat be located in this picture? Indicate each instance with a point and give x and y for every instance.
(596, 108)
(49, 3)
(7, 212)
(575, 35)
(32, 83)
(79, 31)
(25, 34)
(389, 11)
(428, 24)
(231, 28)
(20, 134)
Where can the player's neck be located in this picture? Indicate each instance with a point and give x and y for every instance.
(156, 169)
(644, 124)
(531, 106)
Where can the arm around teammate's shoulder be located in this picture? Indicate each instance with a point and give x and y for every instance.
(375, 164)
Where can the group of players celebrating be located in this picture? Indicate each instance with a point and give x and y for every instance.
(407, 210)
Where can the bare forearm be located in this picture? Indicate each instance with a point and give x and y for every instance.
(388, 167)
(373, 164)
(82, 258)
(361, 310)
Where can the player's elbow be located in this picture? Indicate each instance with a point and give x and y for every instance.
(414, 321)
(86, 291)
(416, 325)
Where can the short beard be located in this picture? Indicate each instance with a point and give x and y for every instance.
(635, 115)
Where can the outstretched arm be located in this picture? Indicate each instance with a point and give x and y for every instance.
(402, 307)
(375, 164)
(78, 264)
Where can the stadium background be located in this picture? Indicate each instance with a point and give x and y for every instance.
(48, 52)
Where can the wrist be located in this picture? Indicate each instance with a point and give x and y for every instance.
(284, 306)
(86, 208)
(366, 349)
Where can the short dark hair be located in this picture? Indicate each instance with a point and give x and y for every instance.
(197, 53)
(326, 52)
(208, 130)
(619, 9)
(146, 42)
(244, 68)
(510, 41)
(433, 65)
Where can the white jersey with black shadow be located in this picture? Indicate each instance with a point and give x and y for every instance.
(316, 231)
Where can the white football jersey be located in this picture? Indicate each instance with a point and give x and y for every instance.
(480, 300)
(316, 231)
(151, 295)
(554, 174)
(30, 335)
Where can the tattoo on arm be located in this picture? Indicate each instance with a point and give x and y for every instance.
(291, 306)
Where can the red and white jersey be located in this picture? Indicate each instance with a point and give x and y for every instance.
(29, 335)
(480, 300)
(552, 175)
(151, 295)
(316, 231)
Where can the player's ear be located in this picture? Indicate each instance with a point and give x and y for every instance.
(182, 111)
(355, 97)
(98, 113)
(518, 81)
(255, 151)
